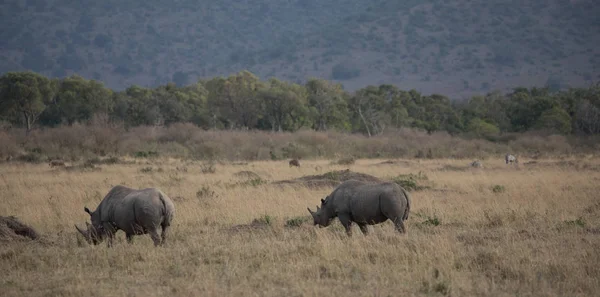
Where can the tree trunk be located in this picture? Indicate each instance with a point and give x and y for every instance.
(364, 121)
(28, 122)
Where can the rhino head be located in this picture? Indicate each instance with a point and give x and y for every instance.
(93, 233)
(322, 216)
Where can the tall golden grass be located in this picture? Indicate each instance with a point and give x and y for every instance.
(531, 230)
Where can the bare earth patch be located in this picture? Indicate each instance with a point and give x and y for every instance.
(329, 179)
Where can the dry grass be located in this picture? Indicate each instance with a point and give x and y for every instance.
(498, 231)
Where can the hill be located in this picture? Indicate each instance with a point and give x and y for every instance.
(456, 48)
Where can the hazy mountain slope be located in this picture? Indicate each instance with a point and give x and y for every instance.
(455, 48)
(458, 47)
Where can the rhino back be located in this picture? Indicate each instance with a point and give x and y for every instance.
(368, 202)
(395, 202)
(106, 208)
(143, 208)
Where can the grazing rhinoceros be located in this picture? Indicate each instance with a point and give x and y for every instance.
(133, 211)
(365, 204)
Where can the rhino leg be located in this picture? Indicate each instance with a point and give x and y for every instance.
(129, 238)
(110, 233)
(346, 222)
(364, 228)
(165, 230)
(154, 235)
(399, 224)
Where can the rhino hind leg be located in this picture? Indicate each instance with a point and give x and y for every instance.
(129, 237)
(399, 224)
(165, 231)
(154, 235)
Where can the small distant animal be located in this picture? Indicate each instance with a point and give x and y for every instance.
(57, 163)
(476, 164)
(136, 212)
(365, 204)
(294, 162)
(511, 159)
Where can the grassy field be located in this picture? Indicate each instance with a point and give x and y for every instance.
(531, 230)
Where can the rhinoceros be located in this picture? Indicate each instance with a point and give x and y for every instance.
(134, 211)
(365, 204)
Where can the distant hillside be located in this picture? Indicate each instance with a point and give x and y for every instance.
(452, 47)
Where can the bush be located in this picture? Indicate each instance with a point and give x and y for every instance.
(297, 221)
(208, 168)
(205, 192)
(410, 182)
(481, 128)
(498, 189)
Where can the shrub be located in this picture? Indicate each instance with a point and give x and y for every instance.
(410, 182)
(498, 189)
(205, 192)
(208, 168)
(297, 221)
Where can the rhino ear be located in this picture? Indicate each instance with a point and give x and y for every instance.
(87, 210)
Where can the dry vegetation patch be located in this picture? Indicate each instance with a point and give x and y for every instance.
(535, 235)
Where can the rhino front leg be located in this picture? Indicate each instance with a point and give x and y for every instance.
(110, 233)
(364, 228)
(346, 222)
(129, 237)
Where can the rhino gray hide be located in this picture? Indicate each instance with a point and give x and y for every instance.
(364, 204)
(134, 211)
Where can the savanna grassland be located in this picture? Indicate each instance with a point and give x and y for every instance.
(503, 230)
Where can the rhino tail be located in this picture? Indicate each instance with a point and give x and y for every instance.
(407, 209)
(168, 209)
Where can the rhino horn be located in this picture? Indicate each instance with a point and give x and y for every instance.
(84, 233)
(311, 212)
(318, 208)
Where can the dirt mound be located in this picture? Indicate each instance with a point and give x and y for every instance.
(246, 174)
(392, 162)
(11, 229)
(329, 179)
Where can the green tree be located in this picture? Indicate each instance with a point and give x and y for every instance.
(370, 110)
(556, 120)
(78, 99)
(284, 104)
(26, 94)
(328, 106)
(481, 128)
(235, 99)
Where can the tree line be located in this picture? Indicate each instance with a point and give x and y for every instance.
(243, 101)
